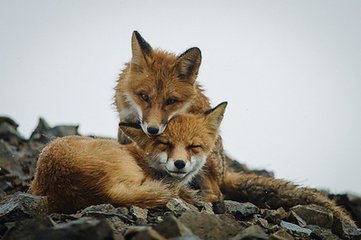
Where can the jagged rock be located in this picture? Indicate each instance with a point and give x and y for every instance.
(208, 226)
(171, 227)
(44, 133)
(252, 232)
(295, 228)
(294, 218)
(275, 216)
(140, 214)
(314, 215)
(240, 210)
(205, 207)
(281, 235)
(117, 218)
(8, 130)
(22, 206)
(178, 206)
(322, 233)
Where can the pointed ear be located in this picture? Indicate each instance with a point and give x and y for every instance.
(214, 117)
(135, 133)
(188, 64)
(140, 49)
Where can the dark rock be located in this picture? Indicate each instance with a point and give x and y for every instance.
(314, 215)
(29, 229)
(252, 232)
(22, 206)
(275, 216)
(44, 133)
(294, 218)
(207, 226)
(295, 228)
(281, 235)
(345, 229)
(8, 131)
(9, 121)
(149, 233)
(322, 233)
(84, 228)
(172, 227)
(240, 210)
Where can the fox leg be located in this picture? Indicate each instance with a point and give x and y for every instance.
(149, 194)
(212, 174)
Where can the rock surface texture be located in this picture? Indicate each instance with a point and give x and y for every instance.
(24, 216)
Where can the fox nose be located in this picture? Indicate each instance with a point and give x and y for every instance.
(153, 130)
(179, 164)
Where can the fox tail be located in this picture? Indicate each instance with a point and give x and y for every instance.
(275, 193)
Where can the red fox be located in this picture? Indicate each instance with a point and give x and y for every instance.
(157, 85)
(75, 172)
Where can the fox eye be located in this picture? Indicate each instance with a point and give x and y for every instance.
(194, 146)
(165, 143)
(144, 96)
(170, 101)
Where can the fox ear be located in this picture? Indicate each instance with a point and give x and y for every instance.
(135, 133)
(140, 49)
(214, 117)
(188, 64)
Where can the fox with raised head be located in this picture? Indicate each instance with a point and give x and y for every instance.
(75, 172)
(157, 85)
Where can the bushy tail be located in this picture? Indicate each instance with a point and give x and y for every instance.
(276, 193)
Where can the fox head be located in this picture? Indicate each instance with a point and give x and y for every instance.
(182, 149)
(159, 85)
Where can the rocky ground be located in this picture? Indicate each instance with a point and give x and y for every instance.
(24, 216)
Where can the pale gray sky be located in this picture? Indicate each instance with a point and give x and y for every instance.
(290, 70)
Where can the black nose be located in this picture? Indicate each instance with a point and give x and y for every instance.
(179, 164)
(153, 130)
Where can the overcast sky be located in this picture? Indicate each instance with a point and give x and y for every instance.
(290, 70)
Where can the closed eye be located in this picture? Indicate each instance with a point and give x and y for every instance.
(193, 146)
(160, 142)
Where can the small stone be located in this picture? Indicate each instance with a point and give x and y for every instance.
(252, 232)
(205, 207)
(294, 218)
(21, 206)
(275, 216)
(322, 233)
(281, 235)
(172, 227)
(209, 226)
(140, 215)
(240, 210)
(295, 228)
(314, 215)
(178, 206)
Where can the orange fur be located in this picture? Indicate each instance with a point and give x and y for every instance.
(155, 78)
(75, 172)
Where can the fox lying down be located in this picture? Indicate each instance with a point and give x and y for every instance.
(75, 172)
